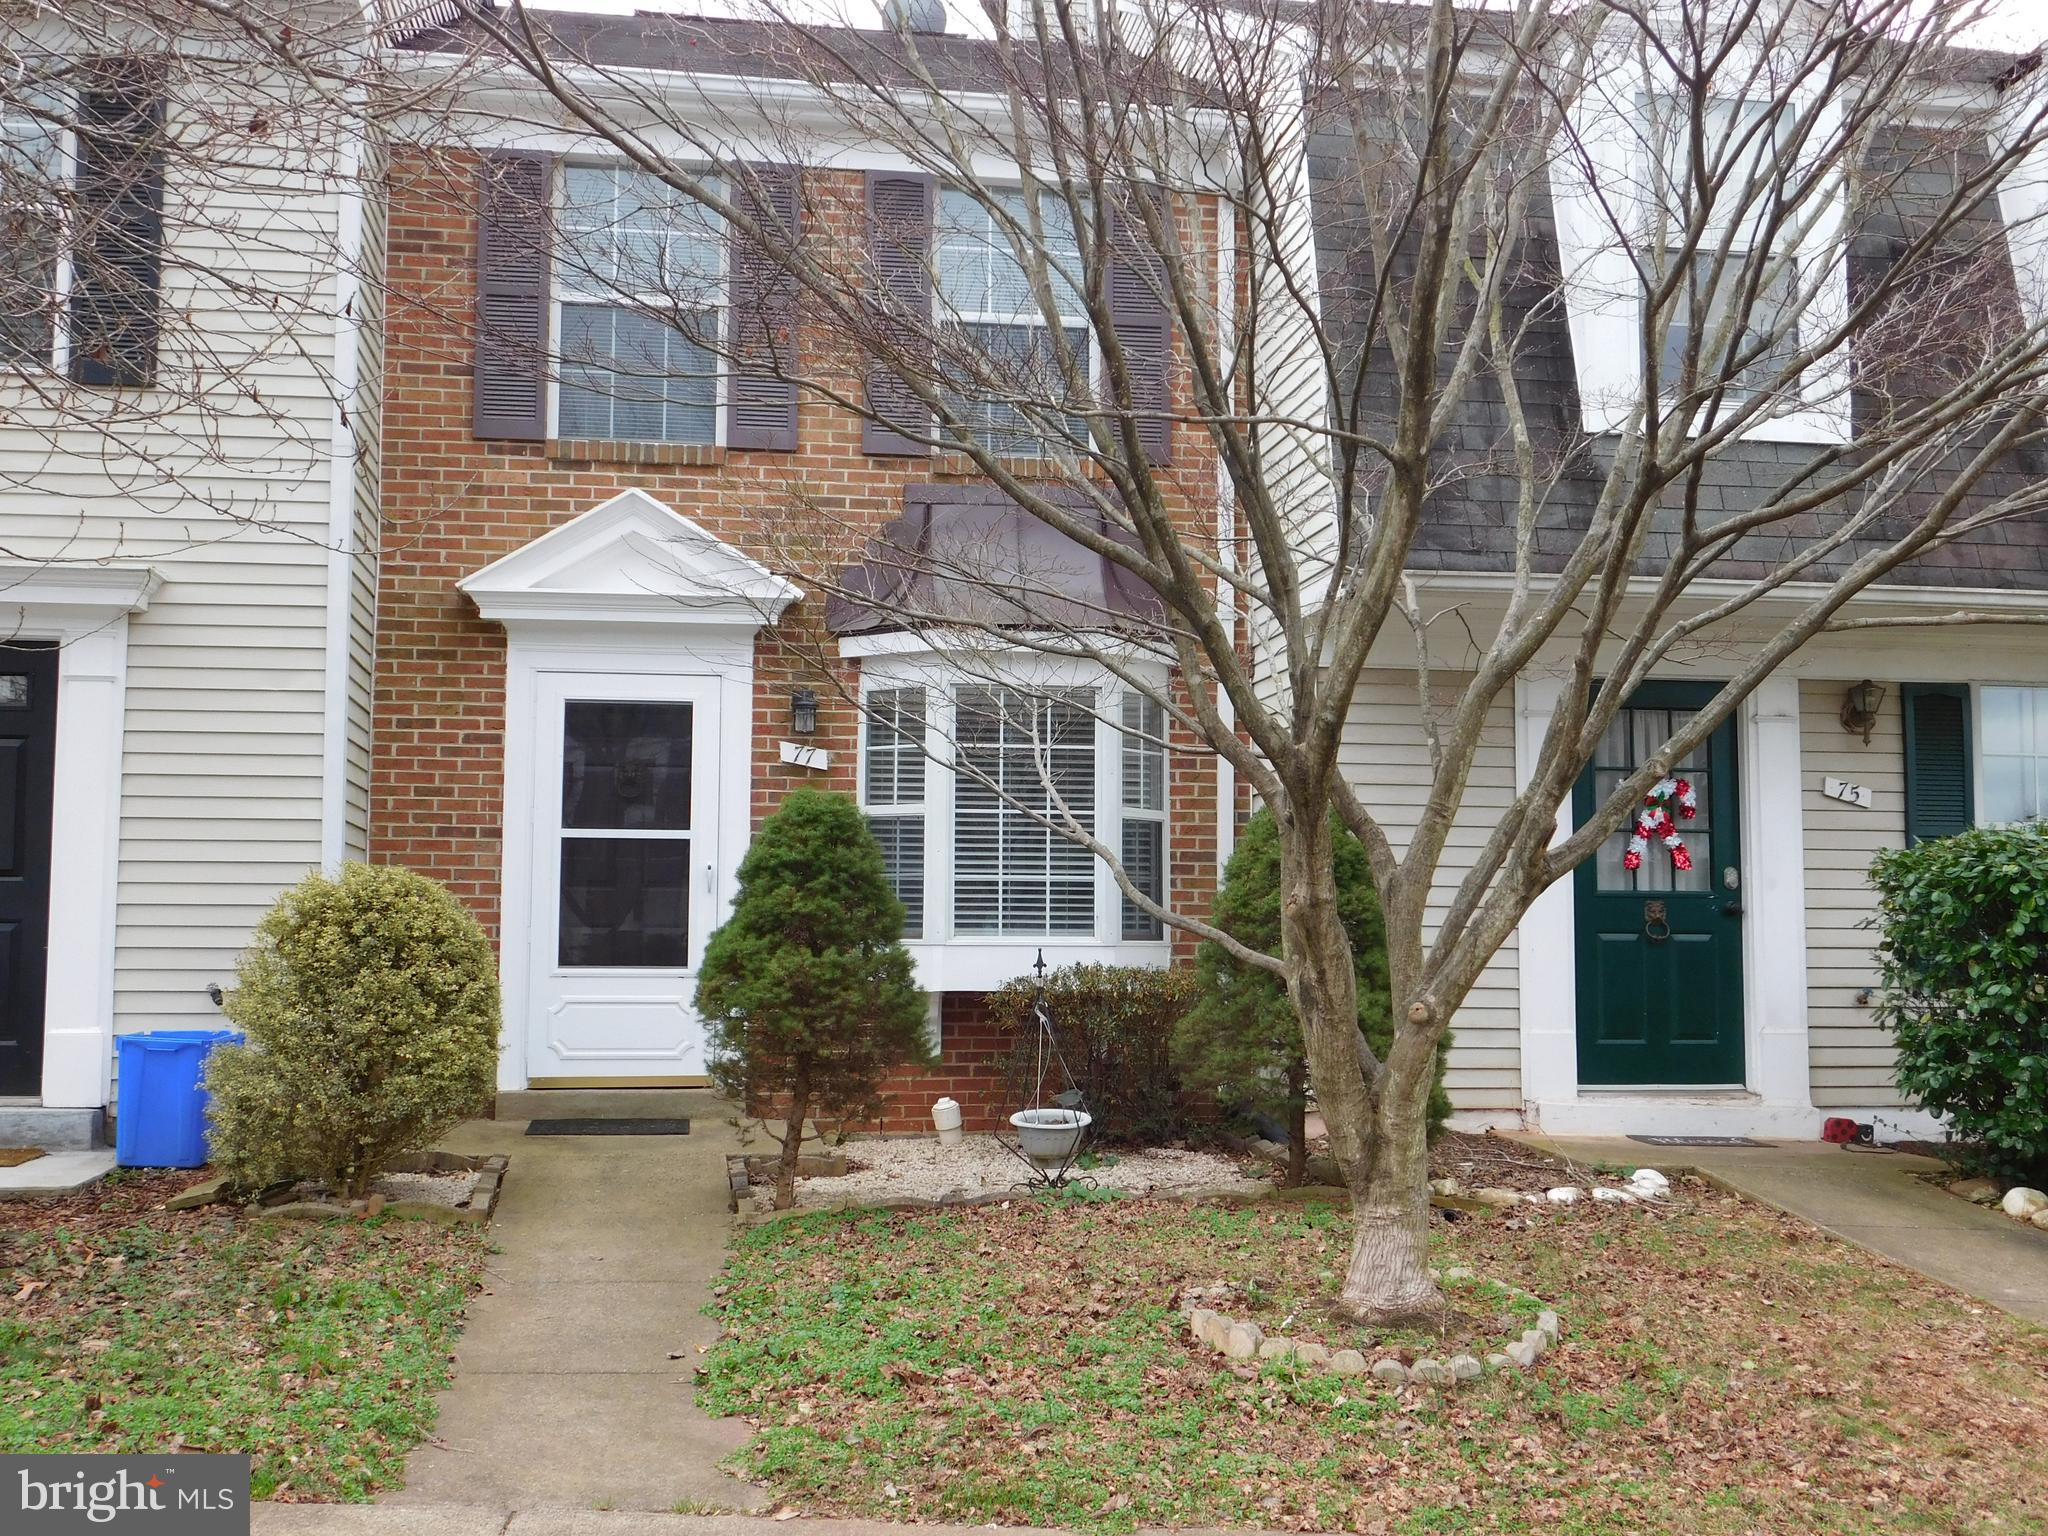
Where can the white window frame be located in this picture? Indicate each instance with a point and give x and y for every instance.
(1978, 747)
(722, 383)
(1604, 289)
(65, 173)
(948, 961)
(1160, 815)
(943, 314)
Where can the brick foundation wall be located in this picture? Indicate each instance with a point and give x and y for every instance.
(454, 503)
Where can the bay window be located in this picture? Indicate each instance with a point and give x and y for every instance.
(631, 251)
(1143, 793)
(959, 781)
(892, 789)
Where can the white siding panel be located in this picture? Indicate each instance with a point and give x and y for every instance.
(1385, 755)
(229, 504)
(1849, 1056)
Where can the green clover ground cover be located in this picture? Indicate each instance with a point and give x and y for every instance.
(1724, 1370)
(316, 1347)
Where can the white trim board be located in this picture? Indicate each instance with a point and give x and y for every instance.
(86, 612)
(629, 588)
(1776, 1089)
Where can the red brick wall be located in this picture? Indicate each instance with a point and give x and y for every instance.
(453, 504)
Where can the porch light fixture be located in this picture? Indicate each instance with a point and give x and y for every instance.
(803, 711)
(1860, 706)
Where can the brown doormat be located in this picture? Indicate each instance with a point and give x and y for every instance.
(14, 1157)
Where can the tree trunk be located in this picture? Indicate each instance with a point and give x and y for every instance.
(793, 1138)
(1377, 1120)
(1297, 1126)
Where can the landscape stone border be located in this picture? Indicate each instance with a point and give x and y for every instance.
(478, 1209)
(1246, 1341)
(739, 1196)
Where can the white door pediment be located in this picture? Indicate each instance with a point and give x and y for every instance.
(630, 559)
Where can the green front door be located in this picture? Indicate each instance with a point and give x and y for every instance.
(1659, 948)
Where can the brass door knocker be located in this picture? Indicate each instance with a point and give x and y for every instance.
(1656, 922)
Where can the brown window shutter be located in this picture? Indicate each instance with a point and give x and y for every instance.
(117, 263)
(514, 217)
(899, 246)
(1137, 308)
(760, 409)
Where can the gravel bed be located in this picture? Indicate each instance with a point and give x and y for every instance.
(450, 1189)
(917, 1167)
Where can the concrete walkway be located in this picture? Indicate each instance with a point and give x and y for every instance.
(1872, 1200)
(573, 1377)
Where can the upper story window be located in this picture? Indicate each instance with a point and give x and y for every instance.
(2014, 753)
(1746, 338)
(33, 172)
(632, 252)
(1717, 207)
(959, 783)
(1012, 376)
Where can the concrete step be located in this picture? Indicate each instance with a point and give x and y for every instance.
(611, 1104)
(54, 1130)
(55, 1173)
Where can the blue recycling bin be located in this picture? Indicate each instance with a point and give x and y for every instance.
(161, 1122)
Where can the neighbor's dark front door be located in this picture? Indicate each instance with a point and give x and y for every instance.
(1659, 949)
(28, 745)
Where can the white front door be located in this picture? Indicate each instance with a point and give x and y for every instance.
(624, 871)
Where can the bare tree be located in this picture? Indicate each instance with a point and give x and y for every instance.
(1761, 218)
(172, 264)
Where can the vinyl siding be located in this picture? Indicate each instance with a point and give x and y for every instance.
(1386, 756)
(1851, 1058)
(229, 503)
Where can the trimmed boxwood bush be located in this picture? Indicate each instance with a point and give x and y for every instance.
(1963, 959)
(1116, 1025)
(1242, 1039)
(371, 1005)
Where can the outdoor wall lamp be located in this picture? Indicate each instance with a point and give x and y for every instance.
(803, 711)
(1860, 706)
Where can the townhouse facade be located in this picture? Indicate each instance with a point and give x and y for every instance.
(1733, 996)
(591, 686)
(189, 367)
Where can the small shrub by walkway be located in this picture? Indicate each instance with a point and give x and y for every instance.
(1723, 1369)
(316, 1347)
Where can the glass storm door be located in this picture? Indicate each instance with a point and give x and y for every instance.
(1660, 948)
(624, 874)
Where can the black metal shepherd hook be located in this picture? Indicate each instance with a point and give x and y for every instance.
(1069, 1120)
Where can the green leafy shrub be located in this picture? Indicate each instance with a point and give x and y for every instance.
(807, 991)
(1242, 1039)
(1963, 963)
(1115, 1023)
(371, 1005)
